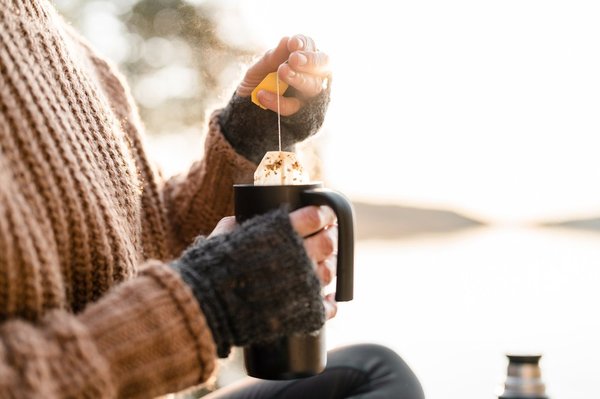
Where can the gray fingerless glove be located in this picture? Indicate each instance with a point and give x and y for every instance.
(254, 284)
(252, 131)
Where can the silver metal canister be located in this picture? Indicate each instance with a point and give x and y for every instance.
(524, 378)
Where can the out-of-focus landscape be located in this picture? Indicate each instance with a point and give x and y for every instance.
(466, 134)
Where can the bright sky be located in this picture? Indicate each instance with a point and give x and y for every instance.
(490, 108)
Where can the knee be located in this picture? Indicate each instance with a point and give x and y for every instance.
(377, 351)
(386, 368)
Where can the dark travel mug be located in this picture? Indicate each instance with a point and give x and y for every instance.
(298, 355)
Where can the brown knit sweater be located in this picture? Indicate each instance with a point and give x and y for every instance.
(87, 306)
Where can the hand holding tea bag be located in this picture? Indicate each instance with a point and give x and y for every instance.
(252, 130)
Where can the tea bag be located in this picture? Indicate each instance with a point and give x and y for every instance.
(280, 168)
(277, 168)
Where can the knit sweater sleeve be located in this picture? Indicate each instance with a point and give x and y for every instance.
(195, 201)
(146, 338)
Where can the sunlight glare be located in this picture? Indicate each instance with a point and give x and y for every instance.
(489, 108)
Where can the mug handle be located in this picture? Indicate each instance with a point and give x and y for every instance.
(345, 257)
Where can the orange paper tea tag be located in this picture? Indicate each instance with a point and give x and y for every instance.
(269, 83)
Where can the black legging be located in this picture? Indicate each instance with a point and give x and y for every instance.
(360, 371)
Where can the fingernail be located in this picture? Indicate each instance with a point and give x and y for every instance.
(327, 214)
(291, 74)
(300, 43)
(264, 96)
(301, 59)
(330, 309)
(333, 234)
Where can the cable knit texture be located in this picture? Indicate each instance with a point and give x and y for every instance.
(242, 119)
(254, 284)
(84, 310)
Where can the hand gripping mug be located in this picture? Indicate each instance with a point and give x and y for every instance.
(298, 355)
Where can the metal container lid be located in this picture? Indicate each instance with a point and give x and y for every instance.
(524, 378)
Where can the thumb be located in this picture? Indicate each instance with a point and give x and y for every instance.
(225, 225)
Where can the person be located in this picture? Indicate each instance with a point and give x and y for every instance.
(111, 281)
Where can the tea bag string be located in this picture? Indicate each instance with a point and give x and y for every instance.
(278, 109)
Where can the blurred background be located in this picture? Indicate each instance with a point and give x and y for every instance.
(465, 132)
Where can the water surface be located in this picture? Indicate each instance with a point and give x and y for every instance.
(453, 305)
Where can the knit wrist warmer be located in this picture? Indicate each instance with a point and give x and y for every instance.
(254, 284)
(252, 131)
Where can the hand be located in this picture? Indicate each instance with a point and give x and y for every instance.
(258, 281)
(252, 131)
(307, 70)
(317, 226)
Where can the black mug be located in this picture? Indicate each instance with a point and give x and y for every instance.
(298, 355)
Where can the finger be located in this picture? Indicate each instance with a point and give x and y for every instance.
(296, 42)
(287, 105)
(308, 85)
(330, 306)
(225, 225)
(269, 62)
(322, 245)
(326, 270)
(310, 62)
(301, 42)
(311, 219)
